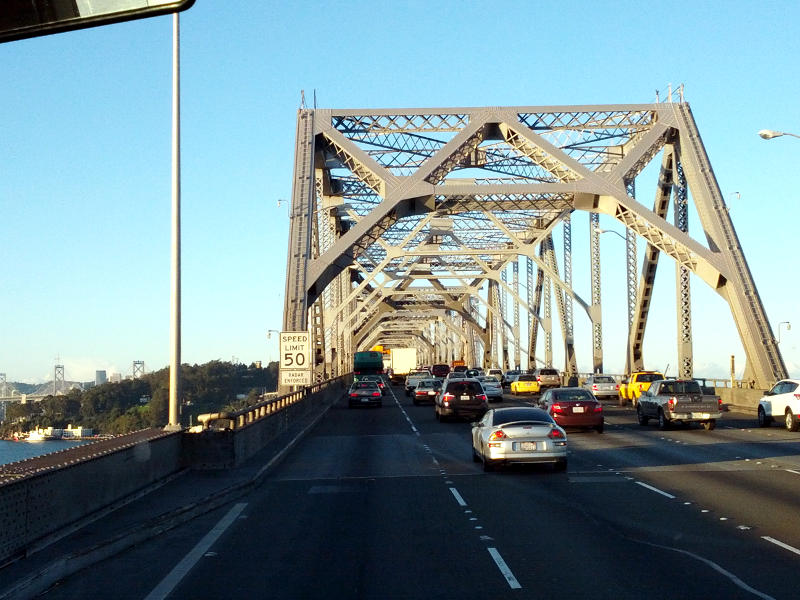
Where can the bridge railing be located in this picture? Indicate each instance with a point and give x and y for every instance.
(45, 498)
(226, 440)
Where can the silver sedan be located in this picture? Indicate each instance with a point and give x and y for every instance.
(519, 434)
(492, 387)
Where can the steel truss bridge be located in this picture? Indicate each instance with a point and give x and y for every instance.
(450, 230)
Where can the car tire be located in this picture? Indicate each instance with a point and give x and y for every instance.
(640, 416)
(792, 424)
(560, 466)
(488, 464)
(475, 457)
(600, 428)
(763, 419)
(709, 425)
(622, 401)
(663, 424)
(436, 414)
(415, 401)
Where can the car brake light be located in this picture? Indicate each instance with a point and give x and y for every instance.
(617, 388)
(498, 435)
(598, 407)
(376, 393)
(556, 434)
(354, 395)
(594, 387)
(557, 408)
(672, 402)
(481, 397)
(719, 401)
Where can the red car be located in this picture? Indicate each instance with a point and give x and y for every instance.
(573, 407)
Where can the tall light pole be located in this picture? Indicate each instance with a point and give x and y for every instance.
(630, 250)
(175, 271)
(788, 328)
(269, 337)
(768, 134)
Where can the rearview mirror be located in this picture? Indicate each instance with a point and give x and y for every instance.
(20, 19)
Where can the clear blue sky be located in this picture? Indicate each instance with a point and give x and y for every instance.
(85, 153)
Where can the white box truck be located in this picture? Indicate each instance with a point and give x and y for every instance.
(404, 360)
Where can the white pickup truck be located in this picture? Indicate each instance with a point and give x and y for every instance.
(415, 376)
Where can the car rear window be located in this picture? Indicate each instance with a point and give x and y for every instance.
(681, 387)
(520, 414)
(548, 372)
(464, 387)
(645, 377)
(604, 379)
(572, 396)
(526, 378)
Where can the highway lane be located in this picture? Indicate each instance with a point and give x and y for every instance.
(381, 503)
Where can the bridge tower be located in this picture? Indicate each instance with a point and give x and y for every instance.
(138, 368)
(401, 218)
(58, 380)
(3, 386)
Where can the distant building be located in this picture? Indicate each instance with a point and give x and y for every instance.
(99, 377)
(115, 378)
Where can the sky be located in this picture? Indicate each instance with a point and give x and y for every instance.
(85, 155)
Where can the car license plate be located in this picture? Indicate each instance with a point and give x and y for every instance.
(577, 409)
(527, 446)
(465, 397)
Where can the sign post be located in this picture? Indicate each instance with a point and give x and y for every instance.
(295, 361)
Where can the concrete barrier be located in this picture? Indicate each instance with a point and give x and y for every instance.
(44, 504)
(244, 433)
(739, 399)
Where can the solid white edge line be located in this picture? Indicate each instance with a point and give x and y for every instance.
(457, 496)
(781, 544)
(656, 490)
(501, 564)
(793, 471)
(174, 577)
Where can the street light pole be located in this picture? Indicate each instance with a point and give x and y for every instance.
(788, 328)
(598, 230)
(175, 289)
(768, 134)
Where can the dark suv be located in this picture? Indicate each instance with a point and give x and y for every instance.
(461, 398)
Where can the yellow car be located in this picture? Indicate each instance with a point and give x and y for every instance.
(525, 384)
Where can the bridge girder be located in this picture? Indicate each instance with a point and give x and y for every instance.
(464, 192)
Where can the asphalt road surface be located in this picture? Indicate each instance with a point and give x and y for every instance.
(387, 503)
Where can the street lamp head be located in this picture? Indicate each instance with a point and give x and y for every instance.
(768, 134)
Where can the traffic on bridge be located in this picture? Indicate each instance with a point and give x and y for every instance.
(388, 502)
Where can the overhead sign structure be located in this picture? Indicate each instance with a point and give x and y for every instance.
(295, 361)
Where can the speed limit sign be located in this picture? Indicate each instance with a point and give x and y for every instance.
(295, 363)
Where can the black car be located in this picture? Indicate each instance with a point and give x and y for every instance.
(461, 398)
(364, 393)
